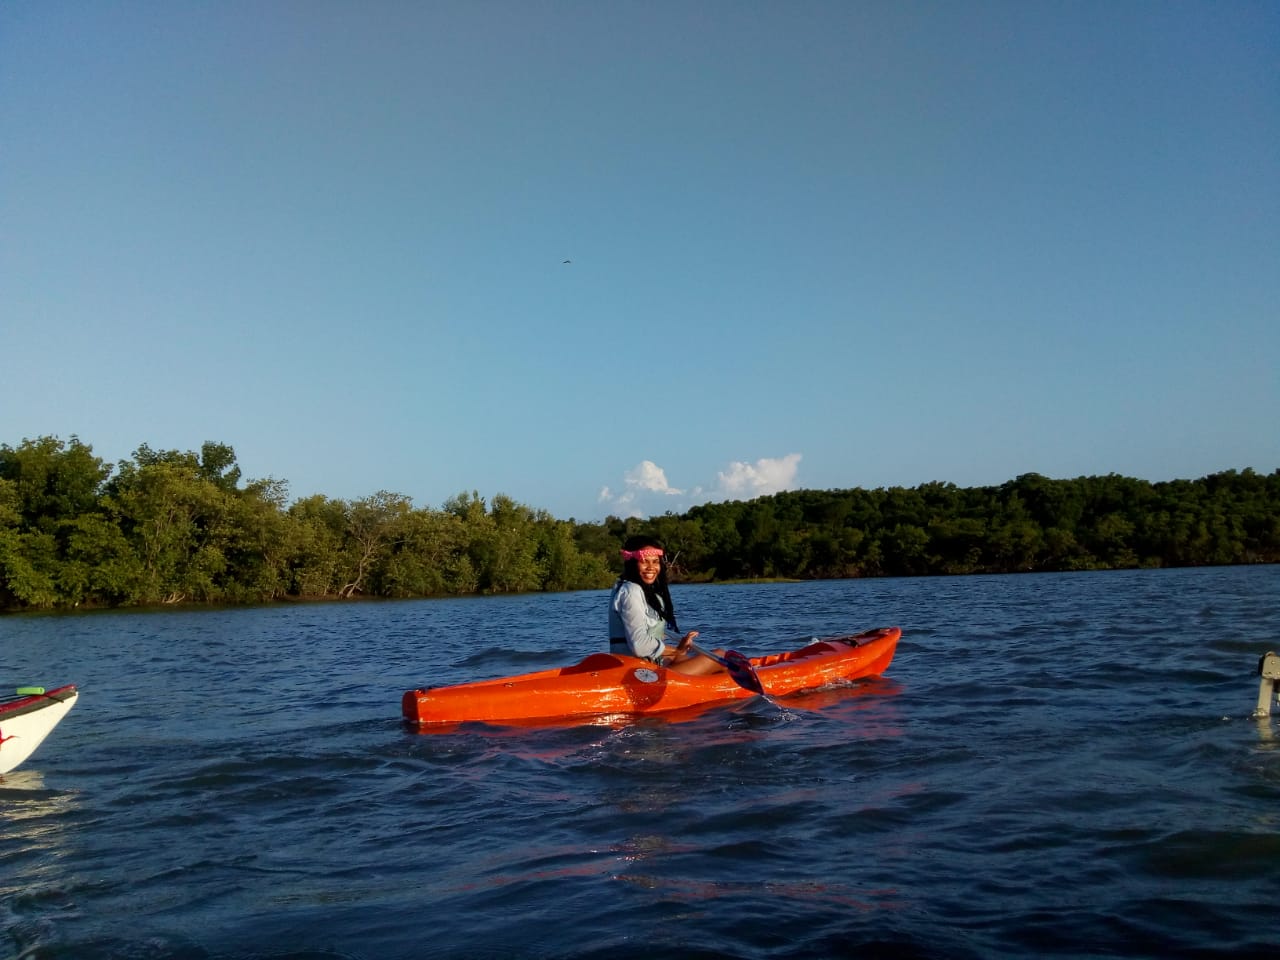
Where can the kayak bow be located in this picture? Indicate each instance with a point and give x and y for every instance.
(30, 717)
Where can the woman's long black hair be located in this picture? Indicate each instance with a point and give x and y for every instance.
(657, 594)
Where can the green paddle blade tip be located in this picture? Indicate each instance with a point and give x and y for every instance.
(29, 691)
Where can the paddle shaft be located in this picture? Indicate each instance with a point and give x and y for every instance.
(709, 654)
(738, 666)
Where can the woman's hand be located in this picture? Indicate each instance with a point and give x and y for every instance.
(686, 642)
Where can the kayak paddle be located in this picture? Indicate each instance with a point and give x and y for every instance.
(739, 667)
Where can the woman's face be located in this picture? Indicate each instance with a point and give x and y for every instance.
(650, 567)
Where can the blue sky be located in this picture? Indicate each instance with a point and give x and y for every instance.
(812, 245)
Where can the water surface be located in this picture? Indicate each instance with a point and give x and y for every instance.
(1055, 765)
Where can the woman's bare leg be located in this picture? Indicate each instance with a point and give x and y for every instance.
(698, 665)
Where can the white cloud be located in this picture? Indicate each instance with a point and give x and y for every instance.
(647, 475)
(646, 490)
(745, 481)
(645, 487)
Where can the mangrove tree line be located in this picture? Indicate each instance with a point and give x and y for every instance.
(168, 526)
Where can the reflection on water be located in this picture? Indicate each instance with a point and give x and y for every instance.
(37, 834)
(34, 817)
(20, 781)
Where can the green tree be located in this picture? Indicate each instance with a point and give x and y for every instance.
(314, 537)
(172, 519)
(27, 560)
(49, 491)
(99, 564)
(684, 541)
(260, 541)
(430, 557)
(374, 526)
(510, 563)
(905, 550)
(53, 481)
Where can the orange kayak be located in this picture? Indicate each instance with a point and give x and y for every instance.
(607, 684)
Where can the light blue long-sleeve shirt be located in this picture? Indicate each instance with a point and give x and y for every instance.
(631, 616)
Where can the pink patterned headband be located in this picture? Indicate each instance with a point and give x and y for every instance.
(641, 553)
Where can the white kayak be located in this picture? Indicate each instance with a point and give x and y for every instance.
(27, 718)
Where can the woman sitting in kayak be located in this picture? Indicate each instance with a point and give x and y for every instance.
(640, 610)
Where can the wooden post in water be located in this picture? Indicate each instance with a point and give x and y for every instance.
(1269, 670)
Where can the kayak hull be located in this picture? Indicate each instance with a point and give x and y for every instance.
(607, 684)
(26, 720)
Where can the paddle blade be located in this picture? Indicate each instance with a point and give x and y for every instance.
(743, 674)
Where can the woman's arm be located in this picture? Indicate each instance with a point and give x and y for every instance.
(643, 629)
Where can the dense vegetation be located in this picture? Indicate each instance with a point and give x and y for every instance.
(170, 526)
